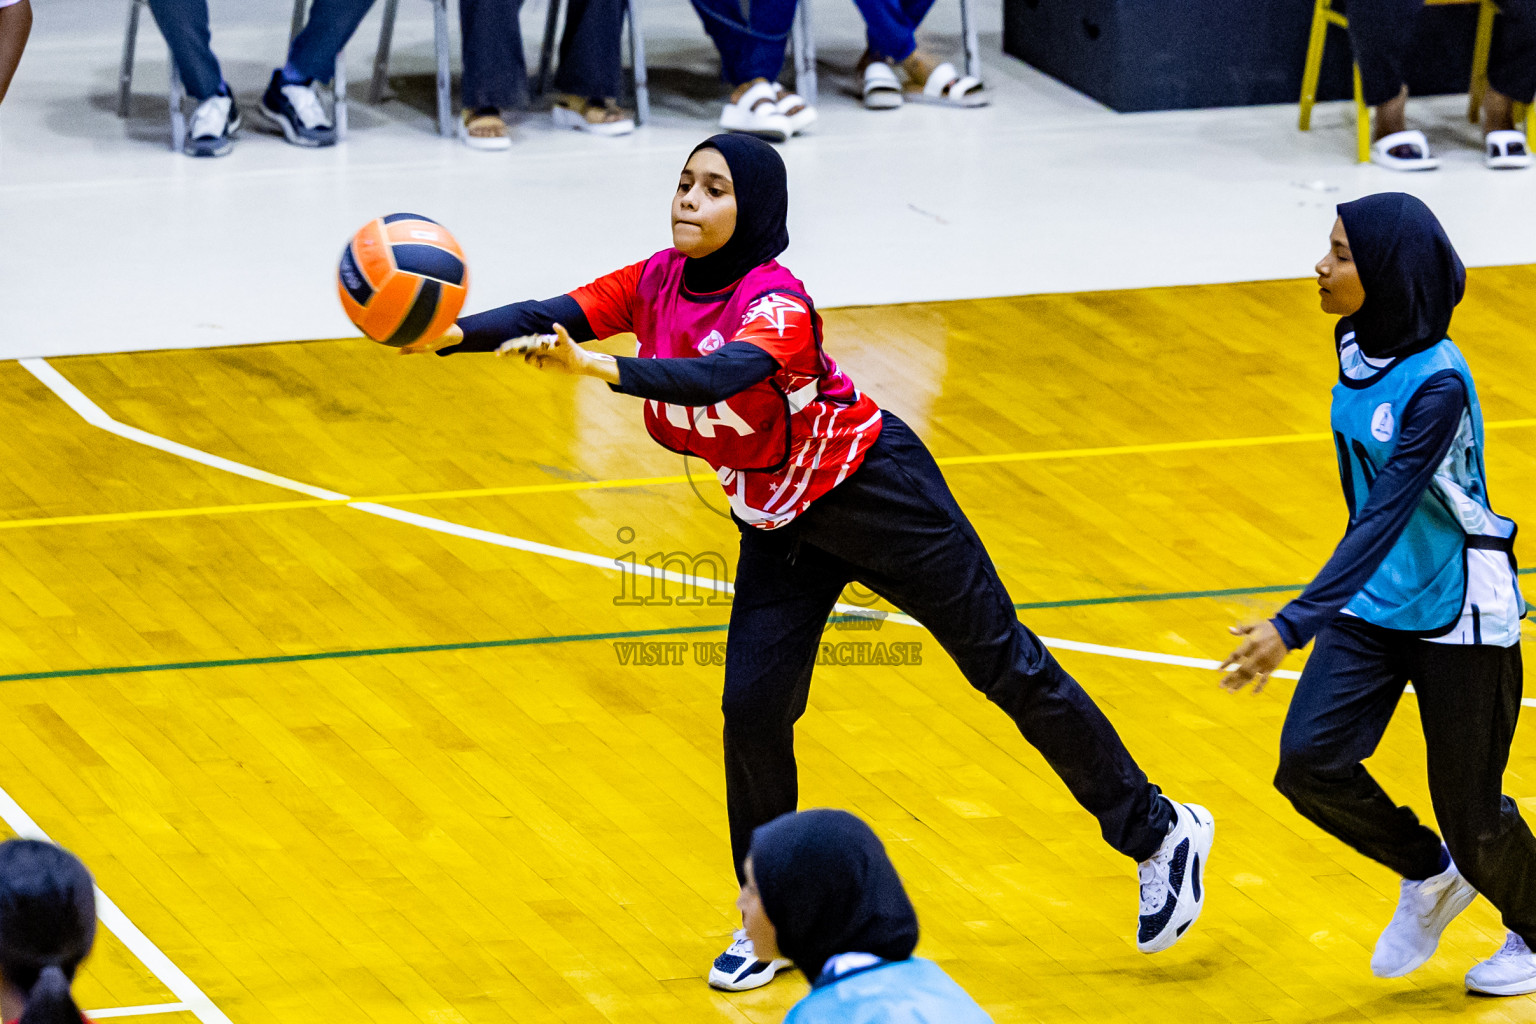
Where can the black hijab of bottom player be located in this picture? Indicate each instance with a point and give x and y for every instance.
(762, 213)
(829, 888)
(47, 927)
(1412, 277)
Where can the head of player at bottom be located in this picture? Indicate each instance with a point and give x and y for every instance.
(821, 892)
(47, 927)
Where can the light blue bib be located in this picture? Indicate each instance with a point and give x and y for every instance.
(1422, 586)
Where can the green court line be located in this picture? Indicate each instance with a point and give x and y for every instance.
(573, 638)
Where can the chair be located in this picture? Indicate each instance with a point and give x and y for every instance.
(1325, 14)
(636, 55)
(178, 92)
(445, 120)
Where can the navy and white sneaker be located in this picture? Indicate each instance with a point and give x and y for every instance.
(1173, 879)
(297, 110)
(212, 129)
(738, 968)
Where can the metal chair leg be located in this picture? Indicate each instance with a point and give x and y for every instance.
(1362, 122)
(1313, 68)
(547, 50)
(1480, 48)
(125, 72)
(637, 62)
(444, 82)
(972, 42)
(381, 58)
(339, 95)
(178, 118)
(297, 24)
(805, 52)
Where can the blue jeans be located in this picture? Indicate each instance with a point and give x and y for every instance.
(752, 47)
(894, 527)
(495, 74)
(184, 23)
(891, 26)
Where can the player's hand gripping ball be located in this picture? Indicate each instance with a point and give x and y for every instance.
(402, 279)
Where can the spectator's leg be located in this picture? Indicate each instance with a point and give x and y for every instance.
(495, 75)
(1380, 32)
(312, 54)
(184, 23)
(1511, 64)
(770, 22)
(727, 29)
(890, 30)
(15, 26)
(589, 50)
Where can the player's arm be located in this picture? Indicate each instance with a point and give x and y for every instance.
(1429, 426)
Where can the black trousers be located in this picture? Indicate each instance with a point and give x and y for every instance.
(1469, 700)
(495, 74)
(894, 527)
(1381, 33)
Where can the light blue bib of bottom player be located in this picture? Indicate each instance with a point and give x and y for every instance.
(913, 991)
(1451, 575)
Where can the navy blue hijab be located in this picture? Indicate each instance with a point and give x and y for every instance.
(829, 888)
(762, 213)
(1412, 276)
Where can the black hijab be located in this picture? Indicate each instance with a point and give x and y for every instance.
(828, 887)
(1412, 276)
(762, 212)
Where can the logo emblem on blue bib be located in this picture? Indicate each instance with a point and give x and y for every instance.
(1382, 423)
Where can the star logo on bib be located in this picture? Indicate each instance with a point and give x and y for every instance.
(710, 343)
(773, 310)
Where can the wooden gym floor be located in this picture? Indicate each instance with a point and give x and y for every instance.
(466, 808)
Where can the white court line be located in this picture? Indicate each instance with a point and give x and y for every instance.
(136, 1011)
(95, 415)
(171, 976)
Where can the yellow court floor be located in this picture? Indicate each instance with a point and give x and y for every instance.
(371, 734)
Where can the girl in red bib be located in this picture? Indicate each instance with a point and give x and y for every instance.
(827, 490)
(47, 927)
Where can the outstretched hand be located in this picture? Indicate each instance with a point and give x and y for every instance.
(1260, 653)
(561, 354)
(452, 336)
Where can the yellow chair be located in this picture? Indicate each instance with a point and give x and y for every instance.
(1324, 15)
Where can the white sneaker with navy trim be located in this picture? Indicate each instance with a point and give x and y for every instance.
(1424, 908)
(1509, 972)
(1173, 879)
(739, 969)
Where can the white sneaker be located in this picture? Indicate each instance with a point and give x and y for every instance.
(757, 113)
(1173, 880)
(801, 119)
(739, 969)
(1509, 972)
(1423, 910)
(211, 132)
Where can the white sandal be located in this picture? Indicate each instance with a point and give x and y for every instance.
(881, 89)
(947, 88)
(1506, 150)
(757, 113)
(801, 119)
(1403, 151)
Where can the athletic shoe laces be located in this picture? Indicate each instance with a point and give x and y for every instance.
(1153, 875)
(210, 117)
(307, 105)
(1514, 946)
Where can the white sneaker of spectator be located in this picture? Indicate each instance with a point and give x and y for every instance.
(757, 112)
(792, 105)
(213, 127)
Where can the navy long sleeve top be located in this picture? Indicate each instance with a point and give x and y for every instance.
(704, 380)
(1429, 426)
